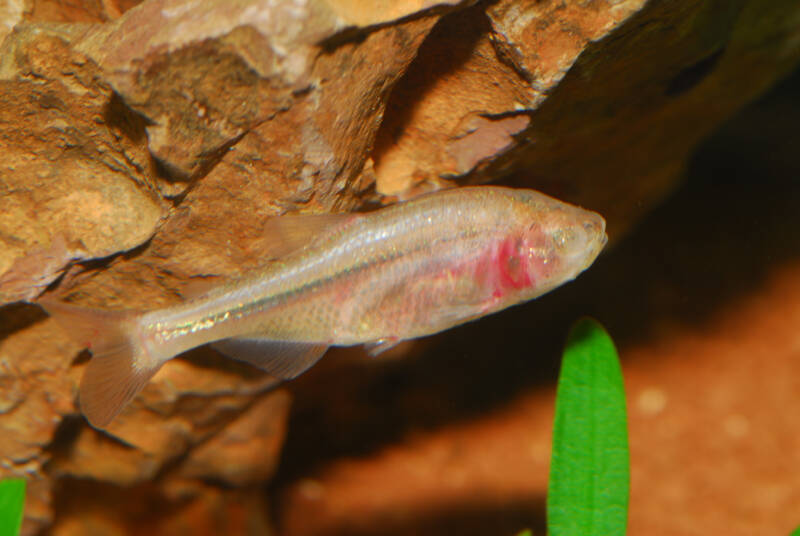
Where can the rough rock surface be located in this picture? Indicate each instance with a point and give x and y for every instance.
(596, 102)
(144, 143)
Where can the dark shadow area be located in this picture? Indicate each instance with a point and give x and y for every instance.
(120, 117)
(65, 436)
(141, 505)
(692, 75)
(467, 519)
(207, 358)
(18, 316)
(712, 243)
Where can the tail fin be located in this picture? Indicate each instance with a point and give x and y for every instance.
(120, 367)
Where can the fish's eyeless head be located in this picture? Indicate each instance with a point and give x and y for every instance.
(545, 245)
(563, 243)
(581, 235)
(577, 238)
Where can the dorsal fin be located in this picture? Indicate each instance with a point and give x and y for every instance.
(285, 234)
(282, 359)
(200, 285)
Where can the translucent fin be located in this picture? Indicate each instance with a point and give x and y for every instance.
(459, 314)
(378, 347)
(200, 286)
(110, 381)
(119, 367)
(285, 234)
(281, 359)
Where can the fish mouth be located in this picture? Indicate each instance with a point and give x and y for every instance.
(593, 241)
(599, 245)
(599, 240)
(595, 226)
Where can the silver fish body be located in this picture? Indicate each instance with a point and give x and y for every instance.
(401, 272)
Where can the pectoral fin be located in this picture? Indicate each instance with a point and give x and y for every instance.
(282, 359)
(378, 347)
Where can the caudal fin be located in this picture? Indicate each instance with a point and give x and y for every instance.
(120, 366)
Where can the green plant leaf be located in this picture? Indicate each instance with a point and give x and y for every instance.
(589, 469)
(796, 532)
(12, 498)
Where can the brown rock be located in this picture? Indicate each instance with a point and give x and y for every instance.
(11, 13)
(36, 391)
(616, 95)
(246, 450)
(73, 183)
(164, 508)
(171, 63)
(88, 11)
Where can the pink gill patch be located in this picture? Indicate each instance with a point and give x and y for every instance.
(497, 271)
(512, 270)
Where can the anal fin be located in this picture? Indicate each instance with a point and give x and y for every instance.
(282, 359)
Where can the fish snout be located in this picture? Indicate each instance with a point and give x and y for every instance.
(579, 241)
(595, 227)
(595, 237)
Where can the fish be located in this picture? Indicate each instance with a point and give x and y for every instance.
(400, 272)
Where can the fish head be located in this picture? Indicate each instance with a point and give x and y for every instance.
(552, 244)
(571, 238)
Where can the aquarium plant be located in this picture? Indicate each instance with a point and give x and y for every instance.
(589, 470)
(12, 498)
